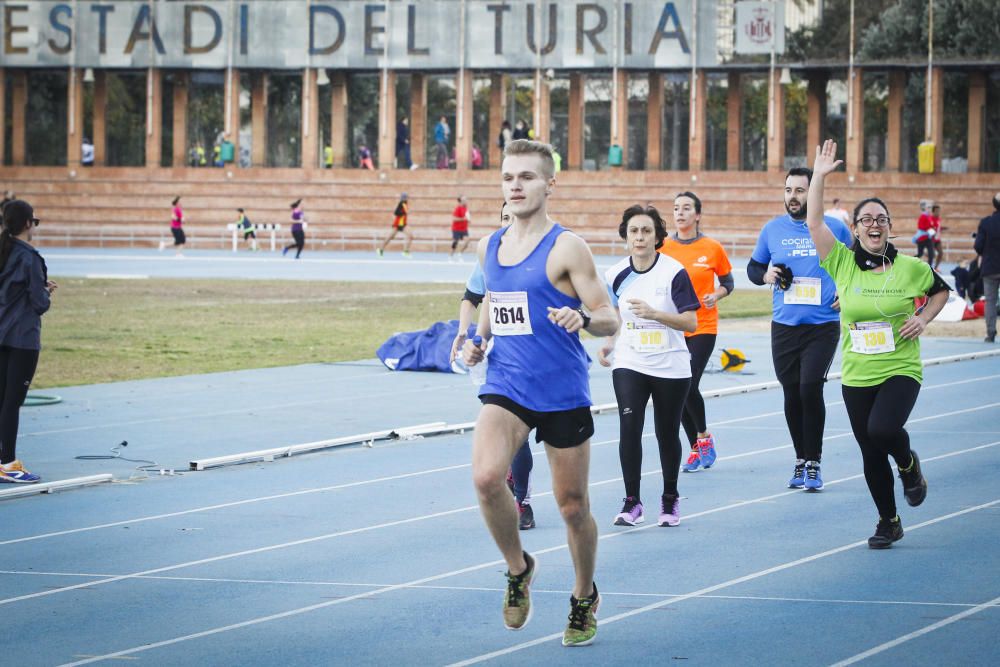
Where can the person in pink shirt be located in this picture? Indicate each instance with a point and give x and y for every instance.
(176, 227)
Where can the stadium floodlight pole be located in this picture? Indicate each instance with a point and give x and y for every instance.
(850, 79)
(928, 87)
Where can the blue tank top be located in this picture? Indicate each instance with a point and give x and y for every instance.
(546, 370)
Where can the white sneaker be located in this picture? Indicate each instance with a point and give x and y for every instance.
(163, 244)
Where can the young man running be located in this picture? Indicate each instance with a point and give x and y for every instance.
(536, 281)
(519, 475)
(805, 328)
(399, 225)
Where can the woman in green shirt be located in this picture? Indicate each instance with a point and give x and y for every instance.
(880, 327)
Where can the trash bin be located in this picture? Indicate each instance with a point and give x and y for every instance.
(228, 152)
(615, 156)
(925, 157)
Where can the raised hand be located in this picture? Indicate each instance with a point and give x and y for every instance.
(826, 158)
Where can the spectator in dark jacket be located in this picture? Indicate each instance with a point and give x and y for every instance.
(988, 249)
(403, 159)
(24, 296)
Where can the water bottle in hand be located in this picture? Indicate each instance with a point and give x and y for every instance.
(477, 373)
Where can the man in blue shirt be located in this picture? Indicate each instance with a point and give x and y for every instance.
(805, 327)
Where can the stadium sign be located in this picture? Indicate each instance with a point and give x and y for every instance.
(357, 34)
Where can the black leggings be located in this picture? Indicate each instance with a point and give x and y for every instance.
(300, 242)
(693, 418)
(805, 414)
(878, 415)
(633, 389)
(927, 245)
(17, 368)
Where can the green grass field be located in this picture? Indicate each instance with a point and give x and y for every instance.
(112, 330)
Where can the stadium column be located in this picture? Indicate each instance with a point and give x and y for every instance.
(338, 118)
(977, 106)
(19, 99)
(310, 118)
(154, 124)
(100, 117)
(897, 91)
(696, 132)
(387, 120)
(575, 124)
(234, 117)
(654, 121)
(180, 116)
(498, 109)
(815, 111)
(776, 124)
(74, 124)
(854, 154)
(258, 111)
(936, 133)
(463, 134)
(619, 133)
(3, 114)
(543, 98)
(418, 118)
(734, 114)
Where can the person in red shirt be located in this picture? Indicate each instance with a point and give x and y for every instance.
(705, 261)
(936, 222)
(459, 229)
(926, 233)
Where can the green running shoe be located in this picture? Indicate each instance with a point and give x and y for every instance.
(582, 628)
(517, 600)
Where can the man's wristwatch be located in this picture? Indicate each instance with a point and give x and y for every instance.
(585, 316)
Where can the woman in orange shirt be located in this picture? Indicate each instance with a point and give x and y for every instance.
(704, 259)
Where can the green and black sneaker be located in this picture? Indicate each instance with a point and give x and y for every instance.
(914, 483)
(886, 532)
(582, 626)
(517, 600)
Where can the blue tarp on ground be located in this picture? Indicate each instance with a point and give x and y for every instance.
(426, 350)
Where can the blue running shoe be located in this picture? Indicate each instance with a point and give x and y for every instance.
(15, 473)
(706, 449)
(693, 462)
(813, 482)
(798, 479)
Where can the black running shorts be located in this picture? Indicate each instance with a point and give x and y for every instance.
(562, 429)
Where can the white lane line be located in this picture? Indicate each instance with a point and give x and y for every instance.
(725, 584)
(352, 399)
(323, 489)
(488, 589)
(346, 485)
(356, 531)
(512, 649)
(367, 377)
(917, 633)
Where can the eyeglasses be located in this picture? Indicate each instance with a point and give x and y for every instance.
(868, 221)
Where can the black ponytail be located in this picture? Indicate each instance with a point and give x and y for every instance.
(6, 243)
(16, 216)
